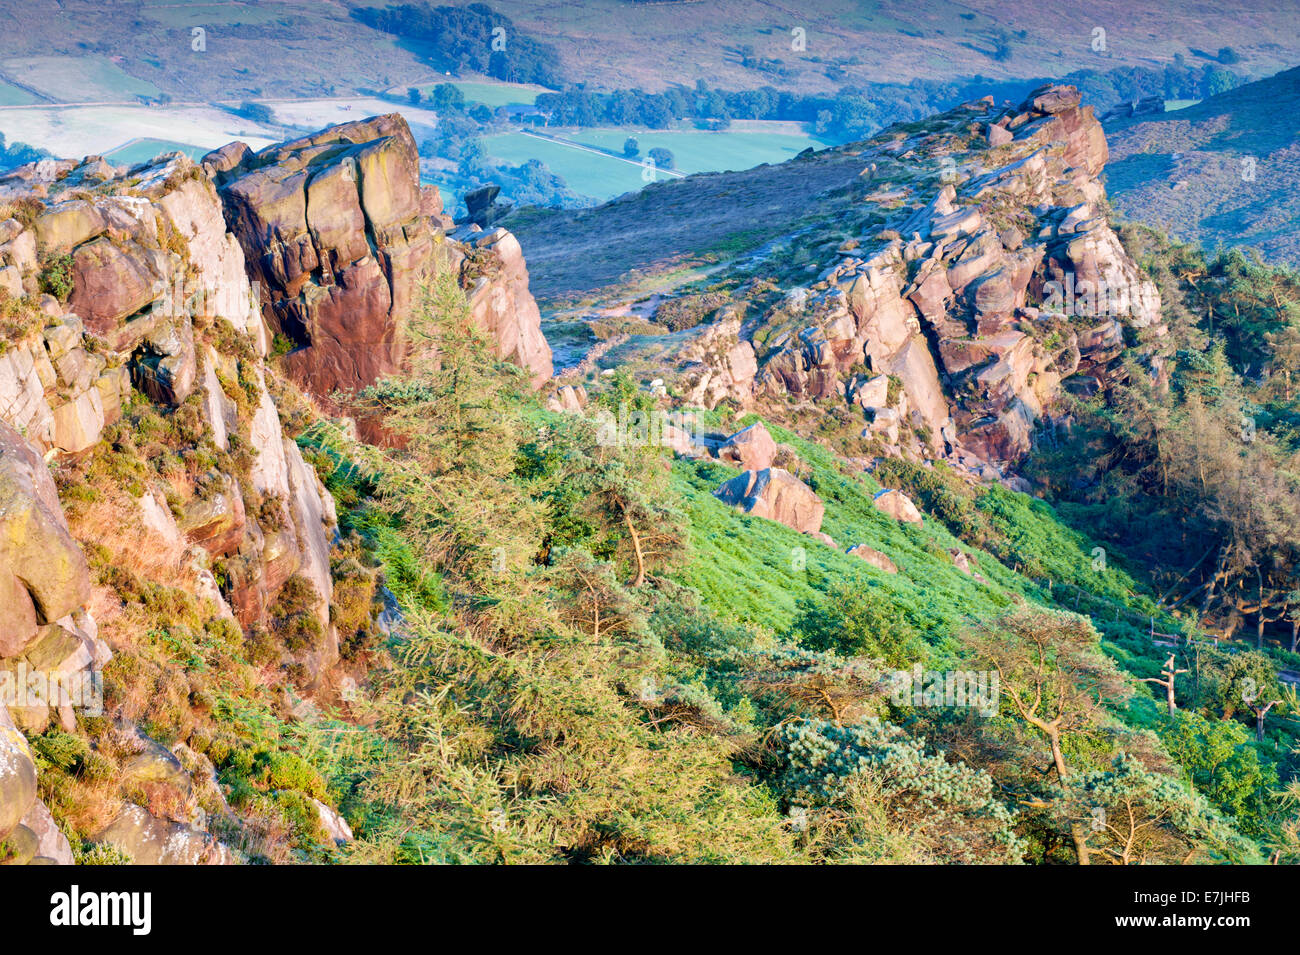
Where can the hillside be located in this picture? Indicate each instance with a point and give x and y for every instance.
(79, 50)
(870, 531)
(1221, 173)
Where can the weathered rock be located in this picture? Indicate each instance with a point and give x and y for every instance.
(824, 538)
(17, 775)
(215, 520)
(166, 367)
(219, 410)
(43, 574)
(718, 365)
(873, 557)
(67, 225)
(335, 826)
(776, 495)
(52, 847)
(154, 763)
(64, 658)
(152, 841)
(112, 282)
(503, 307)
(333, 226)
(898, 506)
(570, 398)
(750, 449)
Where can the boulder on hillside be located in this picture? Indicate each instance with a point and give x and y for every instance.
(17, 775)
(776, 495)
(898, 506)
(751, 449)
(43, 573)
(873, 557)
(52, 846)
(152, 841)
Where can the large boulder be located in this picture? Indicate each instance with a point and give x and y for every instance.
(52, 846)
(751, 449)
(898, 506)
(873, 557)
(148, 840)
(777, 495)
(43, 573)
(17, 775)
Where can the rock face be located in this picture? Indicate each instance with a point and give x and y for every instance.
(501, 304)
(43, 574)
(154, 307)
(718, 365)
(336, 234)
(957, 329)
(777, 495)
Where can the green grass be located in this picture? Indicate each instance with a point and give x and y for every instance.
(745, 568)
(78, 79)
(144, 149)
(604, 177)
(497, 94)
(704, 151)
(11, 95)
(211, 14)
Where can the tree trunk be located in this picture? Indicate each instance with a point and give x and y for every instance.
(1077, 835)
(1080, 840)
(636, 546)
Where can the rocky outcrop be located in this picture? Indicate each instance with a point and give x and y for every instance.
(28, 833)
(136, 292)
(777, 495)
(986, 294)
(339, 237)
(500, 302)
(717, 365)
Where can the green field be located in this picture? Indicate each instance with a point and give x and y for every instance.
(77, 79)
(145, 149)
(603, 177)
(11, 95)
(489, 94)
(499, 94)
(209, 14)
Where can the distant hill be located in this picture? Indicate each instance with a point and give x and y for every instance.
(1225, 171)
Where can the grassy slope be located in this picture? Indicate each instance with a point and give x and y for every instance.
(743, 566)
(1184, 169)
